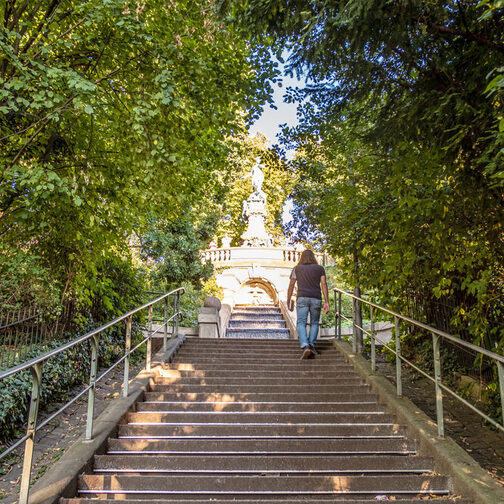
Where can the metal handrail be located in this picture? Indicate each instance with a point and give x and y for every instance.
(437, 337)
(35, 366)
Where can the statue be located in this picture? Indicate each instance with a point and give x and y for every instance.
(226, 241)
(257, 176)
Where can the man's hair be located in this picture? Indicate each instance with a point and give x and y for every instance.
(307, 257)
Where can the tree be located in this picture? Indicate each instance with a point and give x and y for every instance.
(399, 150)
(109, 112)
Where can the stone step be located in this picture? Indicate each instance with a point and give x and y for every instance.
(254, 447)
(257, 316)
(245, 418)
(203, 342)
(258, 367)
(253, 397)
(245, 500)
(261, 334)
(262, 430)
(163, 486)
(339, 371)
(263, 324)
(337, 381)
(220, 351)
(345, 386)
(244, 464)
(263, 358)
(256, 309)
(277, 407)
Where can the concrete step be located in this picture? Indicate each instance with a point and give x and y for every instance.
(258, 310)
(257, 316)
(342, 370)
(254, 447)
(255, 359)
(251, 397)
(269, 464)
(244, 500)
(245, 418)
(260, 381)
(219, 351)
(203, 342)
(262, 431)
(273, 407)
(266, 334)
(258, 368)
(262, 324)
(345, 386)
(163, 486)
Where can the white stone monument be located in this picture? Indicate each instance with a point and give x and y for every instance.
(254, 211)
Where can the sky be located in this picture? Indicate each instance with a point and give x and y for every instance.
(270, 120)
(268, 123)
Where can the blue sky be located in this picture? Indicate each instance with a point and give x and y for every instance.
(268, 123)
(270, 120)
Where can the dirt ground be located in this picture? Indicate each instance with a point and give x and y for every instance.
(464, 426)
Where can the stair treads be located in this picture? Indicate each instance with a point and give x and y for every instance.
(336, 372)
(263, 485)
(278, 406)
(263, 431)
(254, 447)
(349, 396)
(241, 464)
(344, 379)
(259, 500)
(344, 386)
(259, 417)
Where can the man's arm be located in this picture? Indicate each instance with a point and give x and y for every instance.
(325, 291)
(289, 293)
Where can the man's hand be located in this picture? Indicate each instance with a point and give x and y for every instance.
(326, 307)
(290, 305)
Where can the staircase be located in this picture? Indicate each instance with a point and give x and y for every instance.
(264, 321)
(247, 421)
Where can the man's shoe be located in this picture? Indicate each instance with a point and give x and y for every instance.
(306, 352)
(314, 352)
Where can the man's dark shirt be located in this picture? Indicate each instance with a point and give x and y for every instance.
(308, 280)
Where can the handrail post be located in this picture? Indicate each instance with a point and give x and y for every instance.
(165, 322)
(176, 303)
(36, 372)
(358, 319)
(92, 384)
(127, 348)
(148, 353)
(339, 315)
(436, 343)
(398, 358)
(373, 342)
(500, 370)
(354, 329)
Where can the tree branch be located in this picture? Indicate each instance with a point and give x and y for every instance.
(466, 35)
(47, 17)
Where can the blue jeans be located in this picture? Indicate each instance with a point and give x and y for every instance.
(305, 305)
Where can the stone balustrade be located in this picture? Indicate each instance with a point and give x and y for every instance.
(243, 255)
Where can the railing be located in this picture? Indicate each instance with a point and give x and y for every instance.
(36, 368)
(275, 253)
(437, 337)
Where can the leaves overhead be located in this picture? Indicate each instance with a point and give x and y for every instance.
(400, 146)
(109, 111)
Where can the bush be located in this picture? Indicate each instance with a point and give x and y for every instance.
(60, 374)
